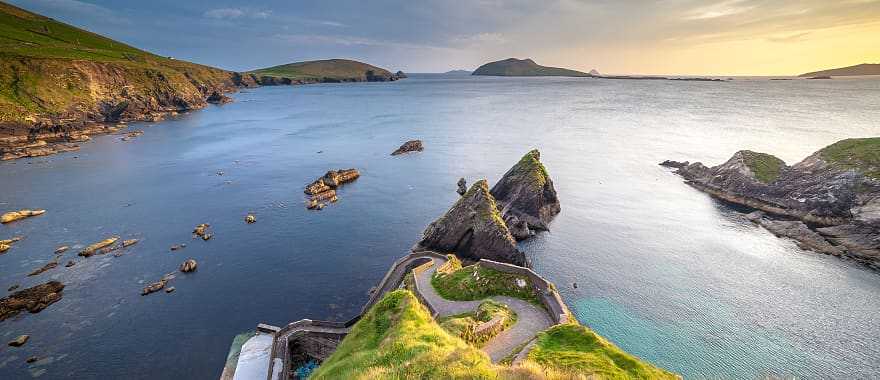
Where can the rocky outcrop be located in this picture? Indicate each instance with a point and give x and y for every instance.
(217, 97)
(7, 243)
(462, 186)
(19, 341)
(409, 146)
(189, 265)
(526, 194)
(324, 188)
(835, 192)
(473, 229)
(250, 219)
(33, 299)
(92, 249)
(12, 216)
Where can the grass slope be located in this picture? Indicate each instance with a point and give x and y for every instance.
(575, 348)
(343, 70)
(860, 154)
(766, 167)
(48, 67)
(475, 282)
(465, 325)
(856, 70)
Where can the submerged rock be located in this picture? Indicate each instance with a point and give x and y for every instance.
(92, 249)
(69, 264)
(33, 299)
(61, 249)
(176, 247)
(21, 214)
(409, 146)
(473, 229)
(462, 186)
(169, 289)
(19, 341)
(48, 266)
(188, 266)
(526, 192)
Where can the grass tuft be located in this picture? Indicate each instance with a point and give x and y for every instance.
(859, 154)
(765, 167)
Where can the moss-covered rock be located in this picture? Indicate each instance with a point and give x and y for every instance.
(473, 229)
(765, 167)
(862, 155)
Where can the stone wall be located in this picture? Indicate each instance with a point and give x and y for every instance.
(547, 292)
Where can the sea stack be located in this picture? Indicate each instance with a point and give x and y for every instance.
(474, 230)
(526, 196)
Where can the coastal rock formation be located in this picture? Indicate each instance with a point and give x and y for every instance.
(19, 341)
(473, 229)
(92, 249)
(154, 287)
(7, 243)
(218, 98)
(250, 218)
(201, 231)
(524, 67)
(526, 194)
(188, 266)
(835, 191)
(33, 299)
(799, 232)
(324, 188)
(129, 243)
(462, 186)
(61, 249)
(409, 146)
(322, 71)
(18, 215)
(50, 265)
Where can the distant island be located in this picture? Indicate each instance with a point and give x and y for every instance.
(326, 71)
(513, 67)
(458, 72)
(857, 70)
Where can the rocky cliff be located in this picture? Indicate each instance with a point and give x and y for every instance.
(58, 84)
(473, 229)
(834, 192)
(526, 196)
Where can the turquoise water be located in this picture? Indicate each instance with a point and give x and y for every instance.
(664, 271)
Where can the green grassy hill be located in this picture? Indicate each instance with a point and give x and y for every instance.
(56, 75)
(327, 70)
(513, 67)
(398, 339)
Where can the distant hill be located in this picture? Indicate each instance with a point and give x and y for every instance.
(458, 72)
(56, 78)
(327, 71)
(863, 69)
(513, 67)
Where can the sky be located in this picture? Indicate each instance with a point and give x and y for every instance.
(672, 37)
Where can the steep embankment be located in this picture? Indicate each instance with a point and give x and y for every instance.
(856, 70)
(57, 81)
(324, 71)
(513, 67)
(834, 195)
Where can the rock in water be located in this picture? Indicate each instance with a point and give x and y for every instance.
(21, 214)
(201, 230)
(250, 218)
(527, 193)
(218, 98)
(129, 243)
(462, 186)
(188, 266)
(20, 341)
(33, 299)
(61, 249)
(409, 146)
(473, 229)
(90, 250)
(154, 287)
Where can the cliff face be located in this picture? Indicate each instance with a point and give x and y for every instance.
(473, 229)
(836, 191)
(57, 81)
(526, 194)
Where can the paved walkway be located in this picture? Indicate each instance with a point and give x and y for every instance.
(530, 320)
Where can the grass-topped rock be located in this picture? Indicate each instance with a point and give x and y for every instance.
(862, 155)
(473, 229)
(576, 349)
(325, 71)
(479, 326)
(526, 195)
(835, 191)
(476, 282)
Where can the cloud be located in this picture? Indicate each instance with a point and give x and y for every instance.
(236, 13)
(722, 9)
(797, 37)
(340, 40)
(79, 10)
(479, 39)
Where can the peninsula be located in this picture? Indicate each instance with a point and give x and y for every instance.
(828, 203)
(469, 307)
(513, 67)
(857, 70)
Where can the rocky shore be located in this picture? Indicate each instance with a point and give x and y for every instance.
(828, 203)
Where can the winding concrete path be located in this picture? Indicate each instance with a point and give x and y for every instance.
(530, 320)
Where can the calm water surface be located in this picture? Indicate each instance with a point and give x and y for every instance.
(662, 270)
